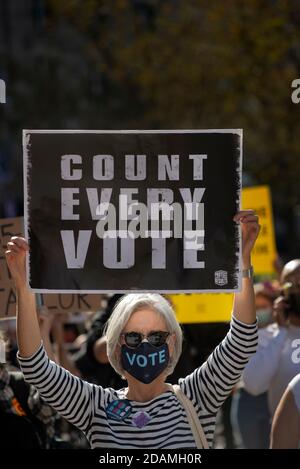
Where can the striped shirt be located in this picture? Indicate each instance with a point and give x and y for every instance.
(84, 404)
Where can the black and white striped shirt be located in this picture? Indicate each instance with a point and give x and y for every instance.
(85, 404)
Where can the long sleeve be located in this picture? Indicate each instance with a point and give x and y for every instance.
(263, 365)
(70, 396)
(209, 385)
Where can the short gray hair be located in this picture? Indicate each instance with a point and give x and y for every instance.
(125, 307)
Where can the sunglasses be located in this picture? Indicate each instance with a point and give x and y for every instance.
(155, 338)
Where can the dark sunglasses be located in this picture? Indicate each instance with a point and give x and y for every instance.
(155, 338)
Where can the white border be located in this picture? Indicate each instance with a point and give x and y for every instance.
(136, 131)
(171, 292)
(240, 171)
(26, 140)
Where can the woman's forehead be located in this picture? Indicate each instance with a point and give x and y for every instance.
(146, 319)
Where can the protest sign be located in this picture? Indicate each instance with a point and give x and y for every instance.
(199, 308)
(264, 253)
(70, 303)
(8, 227)
(123, 211)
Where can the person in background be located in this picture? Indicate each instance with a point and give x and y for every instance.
(273, 366)
(54, 340)
(250, 414)
(8, 327)
(63, 357)
(286, 422)
(26, 421)
(92, 360)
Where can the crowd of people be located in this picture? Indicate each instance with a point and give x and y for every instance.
(274, 368)
(60, 390)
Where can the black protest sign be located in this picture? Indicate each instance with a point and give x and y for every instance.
(132, 210)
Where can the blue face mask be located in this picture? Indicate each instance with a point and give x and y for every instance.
(264, 316)
(145, 362)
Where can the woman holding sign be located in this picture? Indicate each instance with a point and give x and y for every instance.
(144, 344)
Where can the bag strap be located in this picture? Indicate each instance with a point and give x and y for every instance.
(21, 390)
(193, 419)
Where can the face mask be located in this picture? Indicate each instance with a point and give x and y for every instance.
(264, 316)
(145, 362)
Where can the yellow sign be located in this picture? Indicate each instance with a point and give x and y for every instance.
(217, 307)
(202, 307)
(264, 254)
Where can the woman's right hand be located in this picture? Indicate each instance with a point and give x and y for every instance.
(15, 258)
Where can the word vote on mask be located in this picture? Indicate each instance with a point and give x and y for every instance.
(146, 362)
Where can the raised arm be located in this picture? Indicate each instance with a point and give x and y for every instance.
(72, 397)
(244, 302)
(210, 384)
(28, 329)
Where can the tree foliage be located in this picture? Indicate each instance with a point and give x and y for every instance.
(169, 64)
(203, 64)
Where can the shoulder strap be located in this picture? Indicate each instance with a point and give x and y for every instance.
(193, 419)
(20, 389)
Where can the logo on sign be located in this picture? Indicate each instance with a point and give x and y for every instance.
(221, 277)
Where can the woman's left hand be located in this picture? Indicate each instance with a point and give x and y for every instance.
(250, 232)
